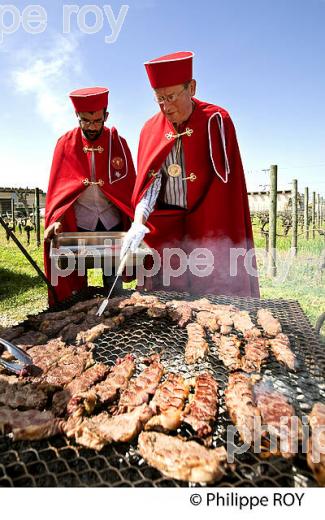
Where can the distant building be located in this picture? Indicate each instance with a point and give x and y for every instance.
(24, 199)
(259, 200)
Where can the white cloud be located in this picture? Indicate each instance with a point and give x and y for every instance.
(47, 75)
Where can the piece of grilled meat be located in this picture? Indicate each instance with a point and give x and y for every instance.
(202, 408)
(281, 427)
(168, 403)
(316, 444)
(282, 352)
(182, 460)
(268, 322)
(196, 347)
(256, 353)
(241, 407)
(139, 390)
(228, 350)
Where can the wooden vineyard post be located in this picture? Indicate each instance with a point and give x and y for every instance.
(294, 239)
(306, 200)
(13, 214)
(272, 220)
(313, 215)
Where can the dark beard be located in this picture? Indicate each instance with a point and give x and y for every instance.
(92, 135)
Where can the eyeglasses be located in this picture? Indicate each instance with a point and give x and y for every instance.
(169, 99)
(86, 124)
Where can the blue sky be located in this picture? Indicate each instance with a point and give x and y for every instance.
(262, 60)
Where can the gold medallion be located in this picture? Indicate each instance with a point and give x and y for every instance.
(174, 170)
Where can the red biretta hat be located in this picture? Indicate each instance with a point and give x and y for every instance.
(171, 69)
(89, 99)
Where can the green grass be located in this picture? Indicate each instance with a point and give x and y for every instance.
(22, 292)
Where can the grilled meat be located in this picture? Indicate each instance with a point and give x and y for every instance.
(68, 398)
(157, 310)
(124, 427)
(181, 312)
(182, 460)
(131, 310)
(102, 429)
(28, 425)
(207, 320)
(316, 445)
(139, 389)
(45, 356)
(31, 338)
(139, 299)
(168, 403)
(243, 323)
(282, 352)
(228, 350)
(240, 405)
(256, 353)
(19, 394)
(99, 329)
(196, 347)
(117, 379)
(67, 368)
(279, 419)
(202, 409)
(268, 322)
(52, 327)
(83, 306)
(12, 333)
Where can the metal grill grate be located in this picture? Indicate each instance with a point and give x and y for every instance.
(60, 462)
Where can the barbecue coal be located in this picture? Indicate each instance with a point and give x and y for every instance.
(182, 460)
(316, 446)
(201, 411)
(282, 352)
(168, 403)
(196, 347)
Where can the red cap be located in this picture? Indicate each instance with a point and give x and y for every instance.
(89, 99)
(171, 69)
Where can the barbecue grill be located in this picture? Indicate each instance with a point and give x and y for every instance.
(61, 462)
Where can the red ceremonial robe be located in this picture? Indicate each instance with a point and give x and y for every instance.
(70, 167)
(217, 215)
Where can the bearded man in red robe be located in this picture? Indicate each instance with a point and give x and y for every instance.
(91, 181)
(190, 191)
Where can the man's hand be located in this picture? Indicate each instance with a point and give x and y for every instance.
(133, 238)
(52, 230)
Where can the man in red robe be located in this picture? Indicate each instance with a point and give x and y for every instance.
(190, 191)
(91, 181)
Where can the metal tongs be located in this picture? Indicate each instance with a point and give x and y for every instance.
(104, 303)
(25, 362)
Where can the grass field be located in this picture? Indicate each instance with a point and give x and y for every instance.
(22, 292)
